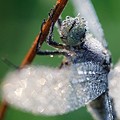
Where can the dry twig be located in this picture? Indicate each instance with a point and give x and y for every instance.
(32, 52)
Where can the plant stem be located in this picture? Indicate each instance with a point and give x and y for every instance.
(60, 4)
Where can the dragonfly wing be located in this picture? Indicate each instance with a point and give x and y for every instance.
(89, 81)
(86, 9)
(50, 91)
(114, 87)
(39, 90)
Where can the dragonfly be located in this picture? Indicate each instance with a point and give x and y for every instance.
(51, 91)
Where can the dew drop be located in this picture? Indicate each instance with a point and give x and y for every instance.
(51, 56)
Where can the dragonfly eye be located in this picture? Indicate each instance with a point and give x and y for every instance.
(73, 30)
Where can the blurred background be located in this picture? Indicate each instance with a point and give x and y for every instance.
(20, 22)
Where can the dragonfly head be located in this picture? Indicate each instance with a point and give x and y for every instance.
(73, 30)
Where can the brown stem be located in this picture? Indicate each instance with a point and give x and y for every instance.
(32, 51)
(45, 29)
(3, 109)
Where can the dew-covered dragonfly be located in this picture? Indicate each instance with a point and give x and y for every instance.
(52, 91)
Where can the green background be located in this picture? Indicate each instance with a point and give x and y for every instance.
(20, 22)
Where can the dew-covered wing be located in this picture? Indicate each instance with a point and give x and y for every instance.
(90, 81)
(86, 9)
(48, 91)
(114, 87)
(38, 90)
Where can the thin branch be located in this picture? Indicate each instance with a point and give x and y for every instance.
(32, 51)
(3, 109)
(45, 29)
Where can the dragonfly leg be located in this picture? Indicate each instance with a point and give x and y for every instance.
(50, 40)
(47, 52)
